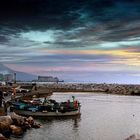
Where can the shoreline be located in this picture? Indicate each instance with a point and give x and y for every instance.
(49, 88)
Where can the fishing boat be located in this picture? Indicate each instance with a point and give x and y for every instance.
(46, 108)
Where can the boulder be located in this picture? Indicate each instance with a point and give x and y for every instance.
(35, 125)
(18, 120)
(16, 125)
(2, 137)
(133, 137)
(6, 119)
(16, 130)
(30, 120)
(4, 128)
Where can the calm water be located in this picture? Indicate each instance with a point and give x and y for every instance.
(103, 117)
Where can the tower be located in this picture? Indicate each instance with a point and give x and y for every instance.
(15, 78)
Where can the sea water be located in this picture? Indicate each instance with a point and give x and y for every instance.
(103, 117)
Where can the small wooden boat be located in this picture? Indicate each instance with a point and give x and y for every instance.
(53, 109)
(45, 113)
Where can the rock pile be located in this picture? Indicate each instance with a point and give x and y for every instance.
(121, 89)
(15, 125)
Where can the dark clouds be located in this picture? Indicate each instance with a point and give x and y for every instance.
(96, 16)
(30, 29)
(3, 39)
(63, 13)
(82, 23)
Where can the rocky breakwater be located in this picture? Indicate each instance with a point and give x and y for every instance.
(74, 87)
(48, 89)
(124, 89)
(121, 89)
(16, 125)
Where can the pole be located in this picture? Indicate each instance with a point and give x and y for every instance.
(15, 78)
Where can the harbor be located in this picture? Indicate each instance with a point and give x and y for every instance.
(103, 116)
(69, 70)
(26, 90)
(91, 96)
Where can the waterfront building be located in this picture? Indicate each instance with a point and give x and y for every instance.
(47, 79)
(8, 77)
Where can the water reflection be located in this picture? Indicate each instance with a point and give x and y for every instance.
(103, 117)
(75, 125)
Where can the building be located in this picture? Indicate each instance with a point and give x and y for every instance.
(1, 77)
(8, 77)
(47, 79)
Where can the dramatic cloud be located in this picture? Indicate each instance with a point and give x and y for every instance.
(71, 37)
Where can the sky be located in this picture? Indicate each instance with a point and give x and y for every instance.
(75, 40)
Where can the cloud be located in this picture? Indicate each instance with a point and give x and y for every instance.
(38, 36)
(70, 36)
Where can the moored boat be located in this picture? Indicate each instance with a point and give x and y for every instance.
(45, 108)
(45, 113)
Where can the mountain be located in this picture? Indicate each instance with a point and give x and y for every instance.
(19, 75)
(25, 76)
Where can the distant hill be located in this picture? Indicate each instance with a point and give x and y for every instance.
(19, 75)
(25, 76)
